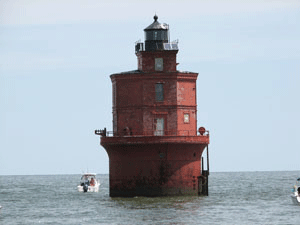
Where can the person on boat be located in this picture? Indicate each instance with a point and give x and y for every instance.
(84, 180)
(92, 182)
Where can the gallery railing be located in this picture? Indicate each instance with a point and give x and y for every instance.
(130, 132)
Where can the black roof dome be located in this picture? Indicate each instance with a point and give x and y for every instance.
(156, 25)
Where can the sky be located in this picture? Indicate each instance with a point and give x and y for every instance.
(55, 89)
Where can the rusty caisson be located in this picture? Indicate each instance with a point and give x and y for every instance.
(154, 148)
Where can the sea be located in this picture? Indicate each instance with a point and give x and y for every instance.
(234, 198)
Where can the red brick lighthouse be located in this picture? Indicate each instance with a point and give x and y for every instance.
(154, 148)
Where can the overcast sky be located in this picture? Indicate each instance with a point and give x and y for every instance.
(55, 90)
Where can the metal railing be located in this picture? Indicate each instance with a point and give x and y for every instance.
(132, 133)
(140, 47)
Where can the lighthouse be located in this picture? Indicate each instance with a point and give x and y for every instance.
(156, 146)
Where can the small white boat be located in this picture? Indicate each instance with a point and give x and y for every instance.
(89, 183)
(296, 193)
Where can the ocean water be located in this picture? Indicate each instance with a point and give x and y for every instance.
(234, 198)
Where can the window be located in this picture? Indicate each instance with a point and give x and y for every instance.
(159, 64)
(159, 126)
(186, 118)
(159, 92)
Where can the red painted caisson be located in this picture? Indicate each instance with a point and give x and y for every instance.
(154, 149)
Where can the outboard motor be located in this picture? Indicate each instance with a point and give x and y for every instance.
(85, 187)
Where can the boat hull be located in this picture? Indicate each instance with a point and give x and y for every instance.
(90, 188)
(295, 199)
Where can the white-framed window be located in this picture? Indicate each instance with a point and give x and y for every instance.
(186, 118)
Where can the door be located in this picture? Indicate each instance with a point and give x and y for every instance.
(159, 126)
